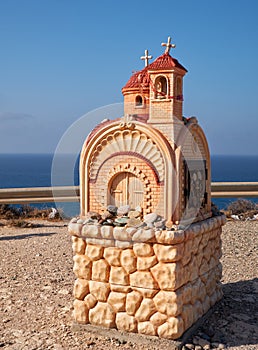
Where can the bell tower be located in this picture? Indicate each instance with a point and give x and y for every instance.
(166, 88)
(155, 94)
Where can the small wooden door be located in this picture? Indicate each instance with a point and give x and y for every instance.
(126, 188)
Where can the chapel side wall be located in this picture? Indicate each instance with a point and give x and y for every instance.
(154, 190)
(192, 146)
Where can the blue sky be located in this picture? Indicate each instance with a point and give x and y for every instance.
(61, 59)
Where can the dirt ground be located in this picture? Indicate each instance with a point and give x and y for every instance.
(36, 283)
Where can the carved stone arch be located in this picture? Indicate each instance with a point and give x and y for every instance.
(164, 160)
(197, 130)
(123, 141)
(188, 132)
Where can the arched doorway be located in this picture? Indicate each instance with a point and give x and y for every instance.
(126, 188)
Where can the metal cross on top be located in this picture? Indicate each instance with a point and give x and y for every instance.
(168, 45)
(146, 58)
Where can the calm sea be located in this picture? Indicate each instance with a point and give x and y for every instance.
(29, 170)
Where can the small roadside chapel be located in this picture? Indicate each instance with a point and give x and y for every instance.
(147, 243)
(153, 157)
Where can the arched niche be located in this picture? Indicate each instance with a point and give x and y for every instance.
(161, 87)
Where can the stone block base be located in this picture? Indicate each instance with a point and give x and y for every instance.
(150, 282)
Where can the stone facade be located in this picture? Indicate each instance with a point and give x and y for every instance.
(154, 282)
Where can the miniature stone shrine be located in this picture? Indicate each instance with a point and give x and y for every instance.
(147, 243)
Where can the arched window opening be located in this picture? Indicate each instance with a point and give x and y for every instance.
(161, 87)
(138, 101)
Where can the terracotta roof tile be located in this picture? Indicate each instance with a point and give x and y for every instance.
(142, 79)
(165, 61)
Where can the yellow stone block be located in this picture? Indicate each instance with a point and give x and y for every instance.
(143, 249)
(146, 310)
(128, 260)
(117, 301)
(169, 276)
(118, 275)
(145, 263)
(126, 322)
(147, 328)
(78, 245)
(112, 255)
(169, 253)
(169, 303)
(133, 302)
(80, 312)
(94, 252)
(158, 318)
(99, 290)
(90, 301)
(102, 315)
(100, 270)
(82, 266)
(172, 329)
(81, 288)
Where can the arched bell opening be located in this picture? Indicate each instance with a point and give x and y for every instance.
(161, 87)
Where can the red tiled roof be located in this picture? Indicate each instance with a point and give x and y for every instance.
(142, 79)
(165, 61)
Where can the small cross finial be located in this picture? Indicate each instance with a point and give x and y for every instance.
(168, 45)
(146, 58)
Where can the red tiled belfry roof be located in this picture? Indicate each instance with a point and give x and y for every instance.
(141, 78)
(165, 61)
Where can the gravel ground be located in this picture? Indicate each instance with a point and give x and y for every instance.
(36, 283)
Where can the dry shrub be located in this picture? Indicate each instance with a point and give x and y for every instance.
(9, 212)
(21, 223)
(242, 206)
(34, 213)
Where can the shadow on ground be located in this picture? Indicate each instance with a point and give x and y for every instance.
(234, 321)
(25, 236)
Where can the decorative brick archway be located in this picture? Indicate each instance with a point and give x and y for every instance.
(147, 203)
(128, 143)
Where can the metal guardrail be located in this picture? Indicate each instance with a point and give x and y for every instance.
(234, 189)
(39, 195)
(72, 193)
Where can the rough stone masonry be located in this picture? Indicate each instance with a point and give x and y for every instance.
(154, 282)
